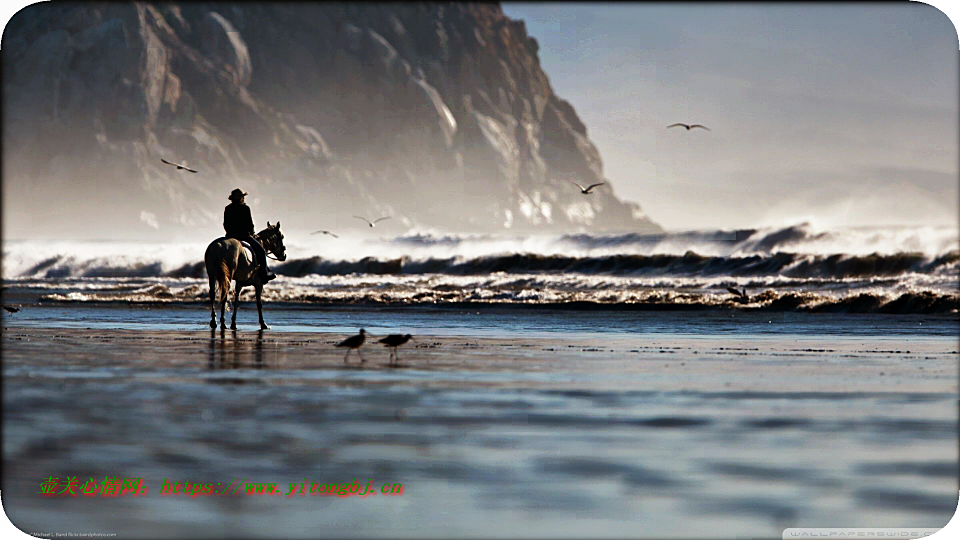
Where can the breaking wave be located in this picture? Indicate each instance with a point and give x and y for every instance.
(526, 292)
(837, 266)
(797, 251)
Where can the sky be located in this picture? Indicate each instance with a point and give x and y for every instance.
(837, 115)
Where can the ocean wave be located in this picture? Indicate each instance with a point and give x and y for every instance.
(533, 293)
(791, 265)
(828, 253)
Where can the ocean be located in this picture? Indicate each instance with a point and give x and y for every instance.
(798, 268)
(567, 386)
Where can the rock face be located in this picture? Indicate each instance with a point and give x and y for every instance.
(437, 114)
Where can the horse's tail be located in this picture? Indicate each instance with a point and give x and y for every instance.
(223, 270)
(218, 270)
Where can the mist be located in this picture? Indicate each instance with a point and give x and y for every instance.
(440, 118)
(841, 114)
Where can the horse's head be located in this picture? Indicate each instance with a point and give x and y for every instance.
(272, 240)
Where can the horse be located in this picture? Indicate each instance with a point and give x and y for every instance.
(227, 260)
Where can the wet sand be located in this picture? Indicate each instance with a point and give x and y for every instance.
(671, 436)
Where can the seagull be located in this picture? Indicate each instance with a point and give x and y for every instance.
(394, 341)
(178, 166)
(354, 343)
(374, 222)
(741, 295)
(12, 309)
(690, 126)
(325, 232)
(586, 190)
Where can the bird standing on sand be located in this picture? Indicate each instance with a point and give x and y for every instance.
(178, 166)
(394, 341)
(325, 232)
(586, 190)
(354, 343)
(741, 295)
(689, 127)
(374, 222)
(12, 309)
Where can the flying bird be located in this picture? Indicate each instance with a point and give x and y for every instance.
(325, 232)
(586, 190)
(689, 127)
(12, 309)
(353, 343)
(178, 166)
(741, 295)
(394, 341)
(374, 222)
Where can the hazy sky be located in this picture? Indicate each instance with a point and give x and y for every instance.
(835, 114)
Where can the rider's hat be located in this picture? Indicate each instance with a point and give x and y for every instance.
(236, 194)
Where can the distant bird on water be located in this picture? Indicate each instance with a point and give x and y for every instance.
(12, 309)
(178, 166)
(741, 295)
(354, 343)
(325, 232)
(586, 190)
(374, 222)
(689, 127)
(394, 341)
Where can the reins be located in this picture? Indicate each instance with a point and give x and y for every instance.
(272, 234)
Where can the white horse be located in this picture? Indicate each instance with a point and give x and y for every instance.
(228, 260)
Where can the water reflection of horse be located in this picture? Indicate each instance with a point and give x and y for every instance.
(227, 260)
(228, 353)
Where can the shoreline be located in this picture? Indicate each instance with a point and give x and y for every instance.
(906, 304)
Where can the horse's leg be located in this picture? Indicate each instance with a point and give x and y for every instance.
(213, 303)
(259, 288)
(223, 307)
(236, 306)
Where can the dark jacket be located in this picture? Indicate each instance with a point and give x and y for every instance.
(237, 220)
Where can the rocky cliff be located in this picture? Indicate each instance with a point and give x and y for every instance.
(437, 114)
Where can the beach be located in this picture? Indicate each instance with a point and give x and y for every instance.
(497, 422)
(658, 271)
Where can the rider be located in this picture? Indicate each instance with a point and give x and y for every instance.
(238, 222)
